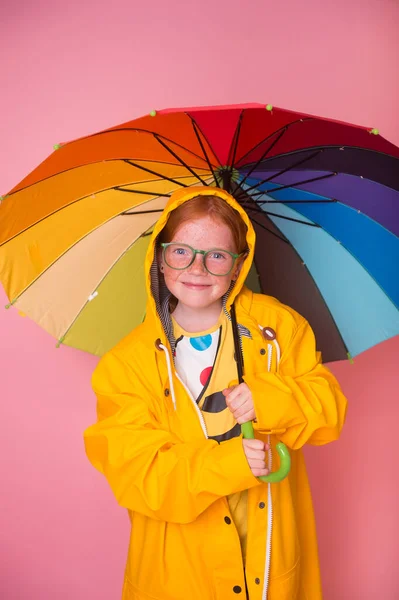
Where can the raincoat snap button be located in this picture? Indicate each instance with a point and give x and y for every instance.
(167, 392)
(237, 589)
(269, 333)
(257, 581)
(262, 351)
(262, 505)
(227, 520)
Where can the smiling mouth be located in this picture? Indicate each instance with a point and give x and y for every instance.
(195, 285)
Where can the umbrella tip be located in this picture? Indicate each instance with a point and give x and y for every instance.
(60, 341)
(349, 355)
(374, 131)
(269, 107)
(153, 113)
(7, 306)
(57, 146)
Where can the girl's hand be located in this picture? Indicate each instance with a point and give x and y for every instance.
(255, 452)
(239, 400)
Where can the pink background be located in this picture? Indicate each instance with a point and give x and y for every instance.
(68, 70)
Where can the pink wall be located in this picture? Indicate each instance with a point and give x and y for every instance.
(67, 70)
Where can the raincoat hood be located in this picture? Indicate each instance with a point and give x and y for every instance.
(157, 293)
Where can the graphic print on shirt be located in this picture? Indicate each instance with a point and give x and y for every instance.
(205, 363)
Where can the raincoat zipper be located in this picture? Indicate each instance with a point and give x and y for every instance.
(197, 408)
(269, 528)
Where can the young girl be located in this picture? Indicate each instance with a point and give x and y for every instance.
(168, 434)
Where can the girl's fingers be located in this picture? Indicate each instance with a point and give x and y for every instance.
(233, 400)
(236, 395)
(227, 392)
(260, 472)
(257, 464)
(254, 444)
(245, 413)
(245, 418)
(239, 405)
(254, 453)
(243, 408)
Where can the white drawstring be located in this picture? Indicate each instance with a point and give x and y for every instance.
(269, 356)
(275, 342)
(170, 376)
(269, 350)
(269, 489)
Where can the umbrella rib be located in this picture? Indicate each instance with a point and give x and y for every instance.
(274, 133)
(120, 189)
(289, 201)
(138, 130)
(142, 212)
(129, 162)
(261, 211)
(270, 231)
(236, 137)
(205, 137)
(181, 161)
(297, 183)
(195, 127)
(261, 158)
(300, 162)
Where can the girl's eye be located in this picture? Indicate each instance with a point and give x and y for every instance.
(218, 255)
(180, 251)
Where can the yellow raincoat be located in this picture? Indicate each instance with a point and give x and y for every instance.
(150, 443)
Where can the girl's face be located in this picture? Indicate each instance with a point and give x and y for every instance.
(194, 287)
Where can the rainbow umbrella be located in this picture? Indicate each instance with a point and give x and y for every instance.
(323, 197)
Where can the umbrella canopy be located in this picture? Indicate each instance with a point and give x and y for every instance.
(323, 197)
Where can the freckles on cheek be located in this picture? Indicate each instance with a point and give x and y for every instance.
(170, 275)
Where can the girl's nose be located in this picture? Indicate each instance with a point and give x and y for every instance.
(198, 265)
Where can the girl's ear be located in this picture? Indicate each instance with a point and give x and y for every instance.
(237, 268)
(236, 273)
(159, 259)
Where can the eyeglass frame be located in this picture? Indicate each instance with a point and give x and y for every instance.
(164, 245)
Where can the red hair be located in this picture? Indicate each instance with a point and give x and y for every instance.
(201, 206)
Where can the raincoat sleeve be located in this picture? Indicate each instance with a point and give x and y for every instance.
(148, 468)
(303, 402)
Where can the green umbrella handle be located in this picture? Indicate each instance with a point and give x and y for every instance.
(285, 459)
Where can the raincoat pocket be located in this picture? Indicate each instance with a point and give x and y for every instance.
(285, 587)
(131, 593)
(286, 550)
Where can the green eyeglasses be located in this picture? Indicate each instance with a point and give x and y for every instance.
(181, 256)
